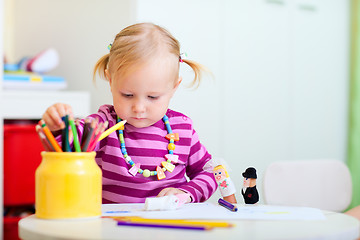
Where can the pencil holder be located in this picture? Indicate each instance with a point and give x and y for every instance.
(67, 186)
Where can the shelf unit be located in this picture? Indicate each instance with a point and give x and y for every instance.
(32, 104)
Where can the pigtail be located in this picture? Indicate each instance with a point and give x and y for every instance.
(198, 70)
(101, 66)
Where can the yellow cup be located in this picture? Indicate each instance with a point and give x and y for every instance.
(68, 185)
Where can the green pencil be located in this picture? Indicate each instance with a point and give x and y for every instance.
(75, 135)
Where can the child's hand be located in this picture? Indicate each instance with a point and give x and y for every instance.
(53, 114)
(172, 191)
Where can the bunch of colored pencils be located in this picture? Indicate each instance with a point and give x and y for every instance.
(93, 133)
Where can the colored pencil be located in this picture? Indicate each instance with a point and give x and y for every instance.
(65, 135)
(75, 135)
(227, 205)
(89, 136)
(43, 139)
(50, 136)
(85, 130)
(97, 136)
(112, 129)
(154, 225)
(221, 224)
(93, 132)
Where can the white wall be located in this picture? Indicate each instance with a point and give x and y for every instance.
(281, 77)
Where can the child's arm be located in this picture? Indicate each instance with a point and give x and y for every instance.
(202, 184)
(53, 114)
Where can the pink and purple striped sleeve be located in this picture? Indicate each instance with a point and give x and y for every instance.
(202, 184)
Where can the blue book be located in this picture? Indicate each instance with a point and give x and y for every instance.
(29, 80)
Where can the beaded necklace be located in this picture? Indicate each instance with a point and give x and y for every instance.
(166, 165)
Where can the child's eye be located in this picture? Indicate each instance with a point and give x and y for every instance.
(126, 95)
(153, 97)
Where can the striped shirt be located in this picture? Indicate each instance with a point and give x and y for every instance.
(148, 146)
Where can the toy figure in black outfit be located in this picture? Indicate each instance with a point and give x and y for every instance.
(249, 190)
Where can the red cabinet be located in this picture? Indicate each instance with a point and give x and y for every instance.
(22, 149)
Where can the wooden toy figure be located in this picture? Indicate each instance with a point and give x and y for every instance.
(249, 191)
(226, 186)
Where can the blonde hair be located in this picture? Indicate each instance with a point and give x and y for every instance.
(221, 167)
(136, 44)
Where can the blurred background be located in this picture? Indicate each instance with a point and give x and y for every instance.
(281, 82)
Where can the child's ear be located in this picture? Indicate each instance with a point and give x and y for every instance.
(178, 82)
(107, 75)
(176, 85)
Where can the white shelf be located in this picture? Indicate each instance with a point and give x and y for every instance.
(32, 104)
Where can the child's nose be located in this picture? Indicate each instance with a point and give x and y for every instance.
(139, 106)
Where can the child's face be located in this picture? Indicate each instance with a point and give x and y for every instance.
(219, 174)
(143, 96)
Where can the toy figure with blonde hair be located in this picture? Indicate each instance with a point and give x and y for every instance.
(158, 148)
(226, 186)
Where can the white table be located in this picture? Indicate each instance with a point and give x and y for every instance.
(336, 226)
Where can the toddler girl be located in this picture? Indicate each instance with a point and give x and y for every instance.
(158, 147)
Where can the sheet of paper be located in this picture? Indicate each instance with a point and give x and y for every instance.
(210, 211)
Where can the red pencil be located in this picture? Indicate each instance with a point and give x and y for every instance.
(101, 128)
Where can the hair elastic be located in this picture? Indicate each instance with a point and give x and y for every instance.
(109, 46)
(182, 57)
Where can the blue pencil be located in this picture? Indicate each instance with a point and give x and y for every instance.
(187, 227)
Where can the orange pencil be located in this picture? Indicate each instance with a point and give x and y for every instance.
(43, 139)
(50, 136)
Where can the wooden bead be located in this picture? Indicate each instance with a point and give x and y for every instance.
(134, 169)
(172, 136)
(171, 146)
(146, 173)
(160, 173)
(172, 157)
(170, 167)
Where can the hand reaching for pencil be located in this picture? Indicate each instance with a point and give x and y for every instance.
(53, 115)
(60, 117)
